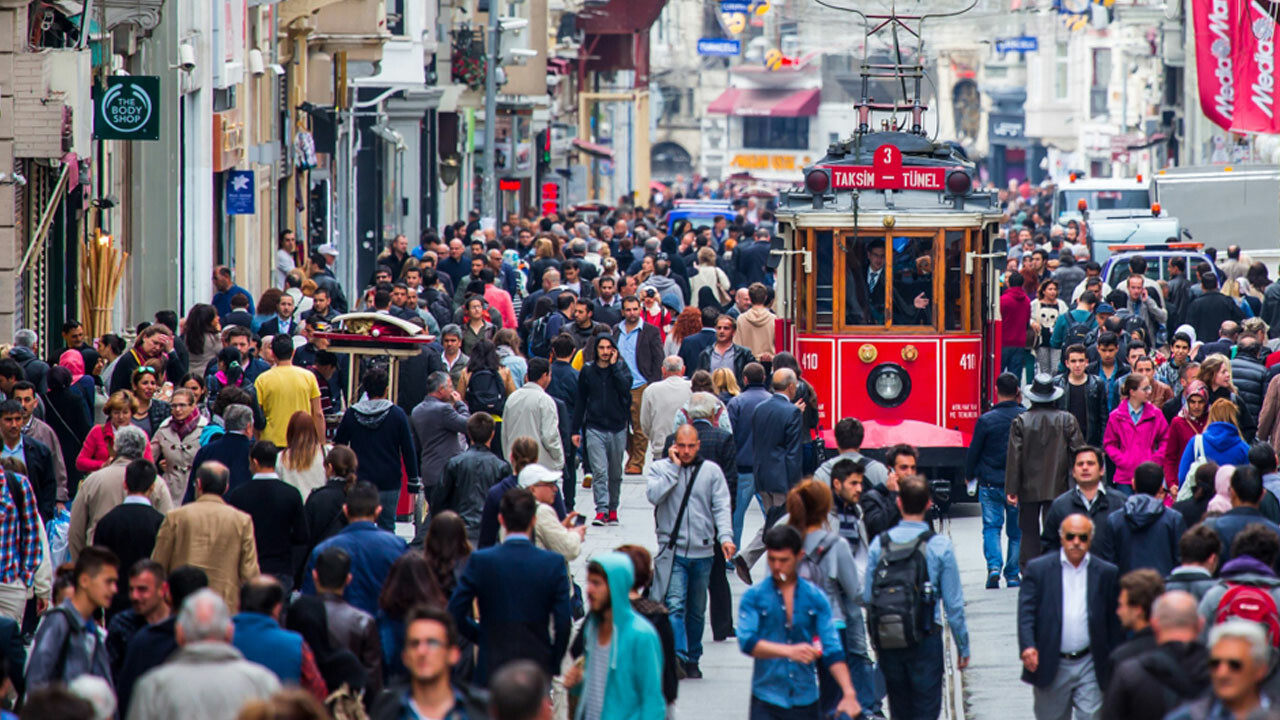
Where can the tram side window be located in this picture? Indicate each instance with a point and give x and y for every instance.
(824, 311)
(913, 280)
(865, 267)
(953, 257)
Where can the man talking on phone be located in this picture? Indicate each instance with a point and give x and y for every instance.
(691, 501)
(601, 413)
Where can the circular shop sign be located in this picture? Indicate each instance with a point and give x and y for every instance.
(126, 108)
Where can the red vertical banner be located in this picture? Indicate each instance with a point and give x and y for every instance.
(1254, 61)
(1215, 21)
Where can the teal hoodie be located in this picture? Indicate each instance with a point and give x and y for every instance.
(634, 688)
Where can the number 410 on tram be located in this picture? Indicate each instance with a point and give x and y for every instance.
(888, 292)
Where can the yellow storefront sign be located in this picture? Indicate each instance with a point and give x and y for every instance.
(762, 161)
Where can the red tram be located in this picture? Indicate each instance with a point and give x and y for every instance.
(887, 284)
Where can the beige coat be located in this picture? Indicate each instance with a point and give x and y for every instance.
(531, 412)
(756, 331)
(177, 454)
(99, 494)
(214, 537)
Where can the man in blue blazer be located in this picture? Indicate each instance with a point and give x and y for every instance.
(231, 449)
(1067, 624)
(777, 432)
(521, 590)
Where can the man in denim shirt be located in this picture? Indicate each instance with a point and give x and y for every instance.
(785, 623)
(913, 676)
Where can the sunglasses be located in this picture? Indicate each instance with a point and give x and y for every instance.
(1233, 664)
(146, 370)
(1069, 536)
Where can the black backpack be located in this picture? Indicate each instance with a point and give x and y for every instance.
(902, 598)
(539, 343)
(486, 392)
(1078, 331)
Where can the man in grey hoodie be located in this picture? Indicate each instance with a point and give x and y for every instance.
(686, 541)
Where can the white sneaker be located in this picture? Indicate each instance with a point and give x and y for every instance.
(972, 486)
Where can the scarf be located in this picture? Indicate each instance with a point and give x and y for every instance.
(185, 427)
(222, 378)
(73, 361)
(1195, 387)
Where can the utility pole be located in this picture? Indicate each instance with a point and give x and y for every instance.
(489, 192)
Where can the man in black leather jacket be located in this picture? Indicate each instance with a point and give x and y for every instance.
(1090, 407)
(468, 476)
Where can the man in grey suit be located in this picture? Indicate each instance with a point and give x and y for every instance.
(438, 424)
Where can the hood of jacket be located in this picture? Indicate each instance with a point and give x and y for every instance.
(371, 413)
(1221, 437)
(22, 354)
(1142, 511)
(661, 283)
(1179, 666)
(757, 317)
(621, 574)
(1249, 569)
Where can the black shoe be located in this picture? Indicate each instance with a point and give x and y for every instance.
(993, 580)
(692, 671)
(743, 570)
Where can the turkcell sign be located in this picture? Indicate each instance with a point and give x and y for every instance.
(718, 47)
(866, 177)
(1026, 43)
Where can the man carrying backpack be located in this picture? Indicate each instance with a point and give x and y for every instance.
(1073, 328)
(909, 569)
(1248, 586)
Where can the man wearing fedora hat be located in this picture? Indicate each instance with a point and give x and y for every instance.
(1042, 444)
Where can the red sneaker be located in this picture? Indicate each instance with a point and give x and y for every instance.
(613, 517)
(600, 520)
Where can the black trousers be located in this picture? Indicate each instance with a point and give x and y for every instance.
(1031, 515)
(721, 599)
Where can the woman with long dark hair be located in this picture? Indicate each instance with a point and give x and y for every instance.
(230, 373)
(323, 506)
(447, 549)
(485, 384)
(202, 334)
(149, 411)
(410, 582)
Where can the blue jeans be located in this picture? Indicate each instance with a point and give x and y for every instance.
(998, 513)
(913, 678)
(687, 601)
(746, 491)
(389, 500)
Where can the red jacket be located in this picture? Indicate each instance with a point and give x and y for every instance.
(97, 448)
(1015, 318)
(1181, 433)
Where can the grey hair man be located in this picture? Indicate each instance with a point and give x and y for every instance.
(104, 489)
(205, 672)
(661, 402)
(1239, 661)
(454, 360)
(25, 352)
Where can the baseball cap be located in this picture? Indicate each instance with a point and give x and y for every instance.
(328, 249)
(535, 474)
(1105, 308)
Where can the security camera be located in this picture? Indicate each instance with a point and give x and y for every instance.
(256, 64)
(186, 57)
(276, 68)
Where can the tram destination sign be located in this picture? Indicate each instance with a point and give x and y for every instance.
(887, 173)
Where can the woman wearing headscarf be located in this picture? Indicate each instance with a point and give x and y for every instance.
(1189, 422)
(1220, 503)
(81, 384)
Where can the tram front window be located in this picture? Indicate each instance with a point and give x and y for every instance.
(869, 263)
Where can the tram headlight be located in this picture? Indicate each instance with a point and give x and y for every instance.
(817, 181)
(889, 385)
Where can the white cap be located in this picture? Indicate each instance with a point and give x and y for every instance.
(328, 249)
(534, 474)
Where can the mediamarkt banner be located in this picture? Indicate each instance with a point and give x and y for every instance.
(1236, 61)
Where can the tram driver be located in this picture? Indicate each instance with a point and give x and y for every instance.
(913, 278)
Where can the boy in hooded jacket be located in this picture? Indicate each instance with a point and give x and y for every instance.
(620, 677)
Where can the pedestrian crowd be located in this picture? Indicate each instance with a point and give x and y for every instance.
(199, 518)
(1130, 465)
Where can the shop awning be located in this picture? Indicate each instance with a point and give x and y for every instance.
(603, 152)
(766, 103)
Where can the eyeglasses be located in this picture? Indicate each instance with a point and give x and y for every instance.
(1232, 664)
(1070, 536)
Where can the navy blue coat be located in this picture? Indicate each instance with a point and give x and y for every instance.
(1230, 523)
(1142, 534)
(1040, 616)
(691, 349)
(989, 449)
(751, 260)
(230, 449)
(777, 433)
(519, 588)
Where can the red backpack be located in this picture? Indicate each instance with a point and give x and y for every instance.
(1250, 602)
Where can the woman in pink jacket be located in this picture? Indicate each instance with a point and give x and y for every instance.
(1136, 432)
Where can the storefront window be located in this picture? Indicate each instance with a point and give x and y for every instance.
(769, 133)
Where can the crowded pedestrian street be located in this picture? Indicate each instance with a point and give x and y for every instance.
(639, 360)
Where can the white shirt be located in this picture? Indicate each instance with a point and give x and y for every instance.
(1075, 611)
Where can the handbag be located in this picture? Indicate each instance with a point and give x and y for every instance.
(662, 575)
